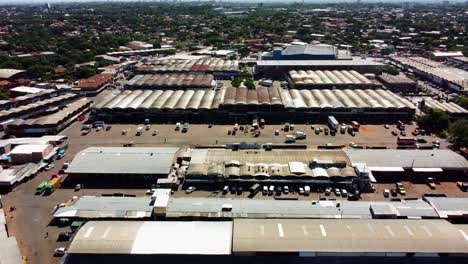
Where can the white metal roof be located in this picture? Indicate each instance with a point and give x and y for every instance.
(28, 149)
(153, 237)
(117, 160)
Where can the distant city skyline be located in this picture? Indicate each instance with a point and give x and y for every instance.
(233, 1)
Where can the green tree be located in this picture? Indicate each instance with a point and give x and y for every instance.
(249, 83)
(236, 82)
(462, 101)
(391, 70)
(435, 121)
(458, 132)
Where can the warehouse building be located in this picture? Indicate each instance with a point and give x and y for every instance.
(101, 208)
(280, 68)
(460, 62)
(328, 79)
(452, 109)
(224, 208)
(347, 237)
(319, 167)
(50, 124)
(94, 84)
(446, 76)
(30, 153)
(398, 83)
(274, 104)
(152, 238)
(109, 166)
(170, 81)
(453, 208)
(289, 240)
(36, 108)
(219, 68)
(304, 52)
(391, 165)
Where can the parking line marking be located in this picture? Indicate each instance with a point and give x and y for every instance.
(390, 231)
(324, 232)
(410, 232)
(428, 232)
(88, 232)
(280, 230)
(106, 232)
(464, 234)
(304, 230)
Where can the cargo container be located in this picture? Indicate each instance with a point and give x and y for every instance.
(300, 135)
(332, 122)
(53, 184)
(406, 141)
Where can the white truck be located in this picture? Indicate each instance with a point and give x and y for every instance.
(301, 135)
(332, 122)
(290, 139)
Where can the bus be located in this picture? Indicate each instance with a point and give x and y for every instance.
(355, 125)
(406, 141)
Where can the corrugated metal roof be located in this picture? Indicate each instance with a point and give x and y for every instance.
(116, 160)
(153, 238)
(436, 158)
(350, 235)
(91, 207)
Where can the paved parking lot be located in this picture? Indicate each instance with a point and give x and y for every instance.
(30, 221)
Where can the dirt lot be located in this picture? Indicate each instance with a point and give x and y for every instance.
(30, 221)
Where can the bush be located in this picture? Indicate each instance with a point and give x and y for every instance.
(458, 132)
(434, 121)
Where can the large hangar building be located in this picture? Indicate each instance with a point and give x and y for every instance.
(236, 104)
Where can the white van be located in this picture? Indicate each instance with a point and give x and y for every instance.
(139, 131)
(289, 139)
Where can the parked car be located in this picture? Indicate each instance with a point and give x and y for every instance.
(225, 189)
(49, 166)
(77, 187)
(337, 192)
(278, 190)
(276, 132)
(301, 191)
(431, 183)
(60, 251)
(394, 133)
(344, 193)
(190, 189)
(271, 190)
(386, 126)
(328, 191)
(403, 133)
(286, 190)
(393, 192)
(421, 140)
(353, 197)
(265, 190)
(65, 236)
(386, 193)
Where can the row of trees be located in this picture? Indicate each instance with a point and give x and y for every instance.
(437, 121)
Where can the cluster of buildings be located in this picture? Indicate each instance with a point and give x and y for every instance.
(450, 77)
(23, 158)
